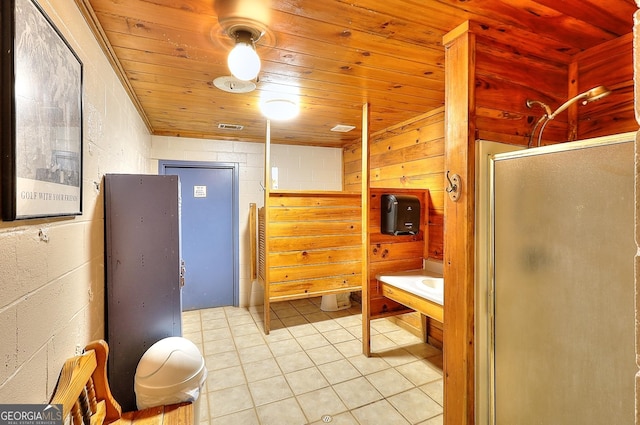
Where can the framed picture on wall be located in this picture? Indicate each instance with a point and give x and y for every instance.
(41, 121)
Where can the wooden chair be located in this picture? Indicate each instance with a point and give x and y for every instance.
(83, 391)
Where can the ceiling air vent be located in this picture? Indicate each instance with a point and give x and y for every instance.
(341, 128)
(236, 127)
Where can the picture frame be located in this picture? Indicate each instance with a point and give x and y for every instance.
(41, 116)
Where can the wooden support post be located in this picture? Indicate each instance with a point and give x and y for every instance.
(365, 186)
(459, 254)
(267, 189)
(572, 112)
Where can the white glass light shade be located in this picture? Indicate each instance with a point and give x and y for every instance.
(279, 109)
(243, 62)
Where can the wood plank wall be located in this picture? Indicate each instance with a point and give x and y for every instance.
(411, 154)
(609, 64)
(506, 79)
(408, 156)
(314, 245)
(389, 253)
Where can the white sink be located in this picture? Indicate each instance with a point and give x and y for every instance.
(422, 283)
(435, 283)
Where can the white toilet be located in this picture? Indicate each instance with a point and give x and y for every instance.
(336, 302)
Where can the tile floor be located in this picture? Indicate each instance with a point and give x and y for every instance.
(310, 368)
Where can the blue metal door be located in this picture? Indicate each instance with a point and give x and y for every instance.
(209, 232)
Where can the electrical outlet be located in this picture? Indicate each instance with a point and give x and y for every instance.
(78, 350)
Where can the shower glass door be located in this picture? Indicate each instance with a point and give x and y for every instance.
(563, 289)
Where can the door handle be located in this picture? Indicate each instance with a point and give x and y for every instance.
(183, 270)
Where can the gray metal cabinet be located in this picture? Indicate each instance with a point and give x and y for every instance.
(142, 259)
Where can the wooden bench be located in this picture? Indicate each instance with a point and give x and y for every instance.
(83, 391)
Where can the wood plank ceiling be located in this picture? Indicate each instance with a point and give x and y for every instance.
(337, 54)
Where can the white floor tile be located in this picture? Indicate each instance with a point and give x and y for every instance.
(379, 413)
(310, 368)
(306, 380)
(270, 390)
(357, 392)
(320, 403)
(285, 412)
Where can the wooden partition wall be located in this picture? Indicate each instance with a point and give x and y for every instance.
(390, 253)
(309, 242)
(313, 247)
(407, 156)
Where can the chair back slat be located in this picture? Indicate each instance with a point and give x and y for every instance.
(113, 411)
(73, 378)
(91, 394)
(83, 389)
(76, 413)
(85, 409)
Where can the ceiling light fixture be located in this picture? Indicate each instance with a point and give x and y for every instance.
(231, 84)
(279, 109)
(245, 22)
(243, 61)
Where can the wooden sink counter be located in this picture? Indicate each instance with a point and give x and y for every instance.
(420, 290)
(416, 302)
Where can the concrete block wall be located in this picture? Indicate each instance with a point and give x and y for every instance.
(299, 168)
(307, 168)
(52, 270)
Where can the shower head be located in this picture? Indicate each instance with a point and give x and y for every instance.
(591, 95)
(594, 94)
